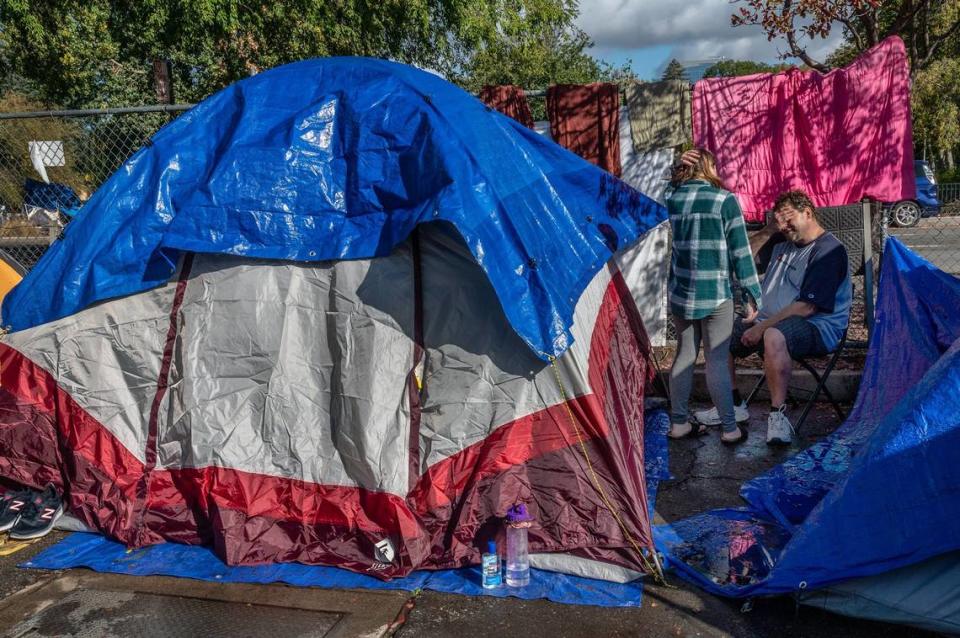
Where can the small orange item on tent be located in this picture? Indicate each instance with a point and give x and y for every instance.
(9, 276)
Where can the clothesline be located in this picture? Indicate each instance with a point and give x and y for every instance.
(841, 136)
(543, 92)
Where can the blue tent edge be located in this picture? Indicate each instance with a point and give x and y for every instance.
(801, 563)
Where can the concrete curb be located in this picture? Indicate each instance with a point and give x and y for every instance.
(843, 384)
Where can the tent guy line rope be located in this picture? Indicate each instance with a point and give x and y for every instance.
(655, 570)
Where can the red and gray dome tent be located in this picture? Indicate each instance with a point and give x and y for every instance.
(339, 313)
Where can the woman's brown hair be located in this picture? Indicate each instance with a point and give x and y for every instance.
(704, 168)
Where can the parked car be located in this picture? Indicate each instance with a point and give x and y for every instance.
(908, 212)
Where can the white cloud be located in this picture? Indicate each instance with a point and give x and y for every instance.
(631, 24)
(695, 29)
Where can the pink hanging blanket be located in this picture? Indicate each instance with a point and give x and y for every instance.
(840, 137)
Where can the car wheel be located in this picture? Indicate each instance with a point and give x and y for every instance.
(905, 214)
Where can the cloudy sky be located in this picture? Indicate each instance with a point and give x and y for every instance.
(650, 32)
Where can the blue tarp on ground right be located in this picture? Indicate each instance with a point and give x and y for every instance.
(882, 492)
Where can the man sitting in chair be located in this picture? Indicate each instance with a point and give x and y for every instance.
(804, 307)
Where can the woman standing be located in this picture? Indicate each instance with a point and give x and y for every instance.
(710, 247)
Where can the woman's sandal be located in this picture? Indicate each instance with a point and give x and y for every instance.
(696, 431)
(737, 441)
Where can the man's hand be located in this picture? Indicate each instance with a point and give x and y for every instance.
(752, 336)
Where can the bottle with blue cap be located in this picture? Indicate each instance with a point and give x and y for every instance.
(490, 567)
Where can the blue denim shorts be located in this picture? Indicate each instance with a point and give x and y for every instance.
(803, 339)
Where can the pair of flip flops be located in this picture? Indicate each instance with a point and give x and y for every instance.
(698, 429)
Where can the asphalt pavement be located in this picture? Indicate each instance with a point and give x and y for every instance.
(936, 239)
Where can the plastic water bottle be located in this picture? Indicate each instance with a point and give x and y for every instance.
(490, 567)
(518, 556)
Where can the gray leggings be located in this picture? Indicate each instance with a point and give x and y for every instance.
(715, 330)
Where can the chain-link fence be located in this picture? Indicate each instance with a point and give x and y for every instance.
(847, 224)
(932, 231)
(50, 163)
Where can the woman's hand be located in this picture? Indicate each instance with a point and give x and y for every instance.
(690, 158)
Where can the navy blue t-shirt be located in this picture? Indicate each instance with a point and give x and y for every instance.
(817, 273)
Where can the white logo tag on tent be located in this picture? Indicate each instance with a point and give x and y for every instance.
(384, 551)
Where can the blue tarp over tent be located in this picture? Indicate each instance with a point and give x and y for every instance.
(341, 158)
(881, 492)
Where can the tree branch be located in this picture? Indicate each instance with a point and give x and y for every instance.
(858, 39)
(862, 17)
(799, 52)
(935, 43)
(906, 14)
(912, 31)
(790, 31)
(873, 30)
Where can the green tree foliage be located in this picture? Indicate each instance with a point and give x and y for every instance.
(734, 68)
(532, 51)
(674, 71)
(936, 110)
(98, 52)
(928, 27)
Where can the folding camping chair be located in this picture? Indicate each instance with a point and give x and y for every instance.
(821, 379)
(846, 223)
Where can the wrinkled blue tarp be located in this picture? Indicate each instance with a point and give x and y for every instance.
(341, 158)
(101, 554)
(200, 563)
(881, 492)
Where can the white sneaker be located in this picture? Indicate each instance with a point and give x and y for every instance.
(779, 429)
(712, 416)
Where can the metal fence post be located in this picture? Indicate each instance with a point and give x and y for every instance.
(868, 267)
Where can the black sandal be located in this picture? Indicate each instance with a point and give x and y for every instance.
(696, 431)
(737, 441)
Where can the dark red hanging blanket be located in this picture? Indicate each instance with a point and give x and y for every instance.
(509, 100)
(586, 120)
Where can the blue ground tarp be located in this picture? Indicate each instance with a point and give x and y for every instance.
(341, 158)
(199, 563)
(101, 554)
(882, 492)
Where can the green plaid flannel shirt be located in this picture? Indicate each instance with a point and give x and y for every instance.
(709, 246)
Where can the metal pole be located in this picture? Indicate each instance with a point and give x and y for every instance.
(157, 108)
(868, 267)
(163, 108)
(163, 81)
